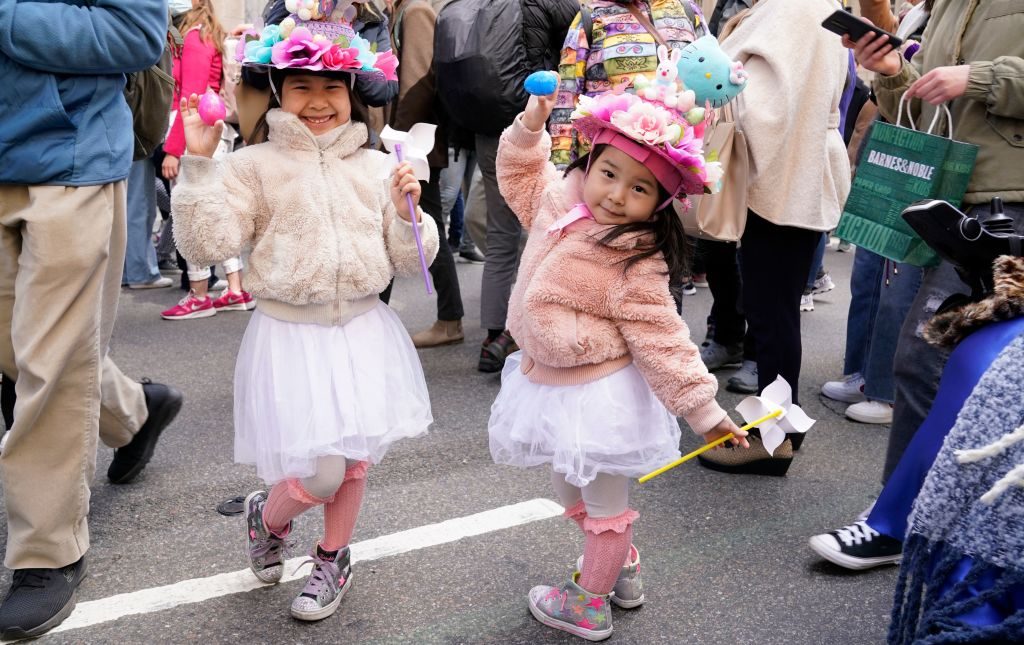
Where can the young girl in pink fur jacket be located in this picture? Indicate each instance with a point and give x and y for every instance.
(606, 362)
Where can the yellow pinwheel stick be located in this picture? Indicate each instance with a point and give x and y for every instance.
(709, 446)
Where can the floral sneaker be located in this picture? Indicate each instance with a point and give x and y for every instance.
(628, 592)
(572, 609)
(265, 550)
(326, 585)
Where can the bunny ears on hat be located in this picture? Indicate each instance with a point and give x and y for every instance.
(317, 37)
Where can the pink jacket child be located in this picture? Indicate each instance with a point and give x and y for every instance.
(197, 68)
(606, 363)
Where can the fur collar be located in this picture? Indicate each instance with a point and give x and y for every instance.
(287, 131)
(1006, 302)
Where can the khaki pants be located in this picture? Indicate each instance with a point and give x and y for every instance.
(61, 256)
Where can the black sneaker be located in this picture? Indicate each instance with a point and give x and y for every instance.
(689, 289)
(471, 255)
(494, 353)
(39, 600)
(857, 546)
(163, 403)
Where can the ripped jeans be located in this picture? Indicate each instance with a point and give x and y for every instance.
(918, 365)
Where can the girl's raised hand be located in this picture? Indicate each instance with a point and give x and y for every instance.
(404, 183)
(538, 109)
(200, 139)
(724, 427)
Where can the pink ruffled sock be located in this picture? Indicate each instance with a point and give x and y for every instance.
(341, 514)
(577, 513)
(287, 500)
(607, 546)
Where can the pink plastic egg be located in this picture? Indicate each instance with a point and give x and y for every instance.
(211, 108)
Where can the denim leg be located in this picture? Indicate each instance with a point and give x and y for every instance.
(819, 259)
(865, 284)
(140, 254)
(894, 302)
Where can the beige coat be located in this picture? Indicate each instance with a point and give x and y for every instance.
(317, 214)
(800, 174)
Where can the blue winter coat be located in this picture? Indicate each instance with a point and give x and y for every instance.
(63, 118)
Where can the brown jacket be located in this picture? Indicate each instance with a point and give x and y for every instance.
(412, 34)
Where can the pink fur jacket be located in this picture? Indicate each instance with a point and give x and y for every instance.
(316, 212)
(574, 312)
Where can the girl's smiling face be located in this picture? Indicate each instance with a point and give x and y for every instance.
(618, 189)
(321, 102)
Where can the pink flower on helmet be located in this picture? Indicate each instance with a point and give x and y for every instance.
(608, 104)
(300, 49)
(644, 122)
(341, 58)
(387, 62)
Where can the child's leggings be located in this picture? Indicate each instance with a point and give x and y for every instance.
(338, 485)
(601, 510)
(198, 274)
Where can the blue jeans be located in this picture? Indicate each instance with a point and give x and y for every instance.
(816, 263)
(140, 254)
(865, 283)
(900, 283)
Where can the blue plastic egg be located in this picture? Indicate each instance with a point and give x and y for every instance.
(541, 83)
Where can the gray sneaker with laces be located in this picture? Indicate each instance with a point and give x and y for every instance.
(265, 550)
(325, 587)
(716, 356)
(744, 381)
(628, 592)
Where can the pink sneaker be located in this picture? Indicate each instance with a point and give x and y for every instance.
(231, 301)
(190, 307)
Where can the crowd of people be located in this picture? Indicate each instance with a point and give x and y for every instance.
(573, 200)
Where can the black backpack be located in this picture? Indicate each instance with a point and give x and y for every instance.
(149, 94)
(480, 63)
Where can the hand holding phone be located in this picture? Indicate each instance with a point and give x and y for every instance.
(846, 24)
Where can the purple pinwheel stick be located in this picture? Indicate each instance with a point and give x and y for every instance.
(416, 229)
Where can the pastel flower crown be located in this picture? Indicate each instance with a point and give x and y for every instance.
(668, 125)
(315, 45)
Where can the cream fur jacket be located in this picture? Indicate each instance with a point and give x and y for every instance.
(316, 213)
(574, 312)
(789, 112)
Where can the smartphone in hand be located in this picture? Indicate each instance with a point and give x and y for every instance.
(843, 22)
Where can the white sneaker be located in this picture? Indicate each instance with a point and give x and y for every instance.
(849, 389)
(807, 302)
(159, 283)
(823, 284)
(870, 412)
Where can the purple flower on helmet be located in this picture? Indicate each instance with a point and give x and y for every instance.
(300, 49)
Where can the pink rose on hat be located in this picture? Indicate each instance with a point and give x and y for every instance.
(301, 49)
(647, 123)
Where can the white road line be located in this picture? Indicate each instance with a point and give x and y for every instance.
(197, 590)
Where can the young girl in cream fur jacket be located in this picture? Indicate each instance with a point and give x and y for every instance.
(606, 364)
(326, 377)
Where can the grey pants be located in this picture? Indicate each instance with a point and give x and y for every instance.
(503, 235)
(918, 365)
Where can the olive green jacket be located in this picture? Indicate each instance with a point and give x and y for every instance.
(988, 35)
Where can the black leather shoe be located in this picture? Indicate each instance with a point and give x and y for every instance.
(39, 600)
(163, 403)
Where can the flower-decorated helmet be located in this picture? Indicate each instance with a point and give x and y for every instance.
(318, 37)
(667, 140)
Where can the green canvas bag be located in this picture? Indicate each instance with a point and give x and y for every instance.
(901, 166)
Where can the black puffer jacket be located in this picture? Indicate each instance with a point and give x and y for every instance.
(545, 23)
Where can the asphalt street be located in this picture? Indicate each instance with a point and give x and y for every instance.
(725, 558)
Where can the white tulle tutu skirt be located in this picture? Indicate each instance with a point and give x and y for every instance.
(613, 425)
(304, 391)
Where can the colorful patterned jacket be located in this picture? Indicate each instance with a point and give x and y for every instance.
(621, 49)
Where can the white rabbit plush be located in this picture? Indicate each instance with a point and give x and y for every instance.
(665, 88)
(668, 68)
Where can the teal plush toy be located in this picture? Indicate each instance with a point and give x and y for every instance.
(708, 72)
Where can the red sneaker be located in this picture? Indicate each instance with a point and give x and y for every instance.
(231, 301)
(190, 307)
